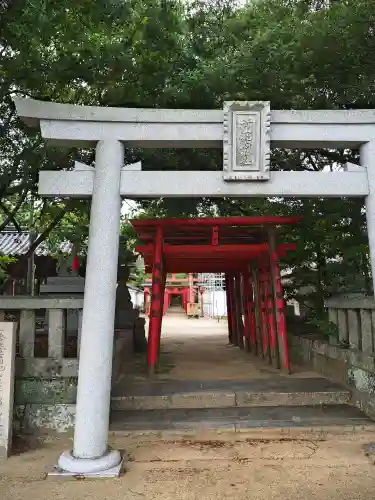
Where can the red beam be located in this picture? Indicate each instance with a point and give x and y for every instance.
(212, 250)
(219, 221)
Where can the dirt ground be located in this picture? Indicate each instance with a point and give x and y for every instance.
(215, 467)
(223, 468)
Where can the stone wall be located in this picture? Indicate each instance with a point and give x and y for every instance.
(45, 398)
(46, 382)
(44, 404)
(347, 366)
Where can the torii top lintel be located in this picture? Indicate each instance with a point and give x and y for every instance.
(192, 128)
(209, 244)
(245, 130)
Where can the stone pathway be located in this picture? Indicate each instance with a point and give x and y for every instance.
(205, 383)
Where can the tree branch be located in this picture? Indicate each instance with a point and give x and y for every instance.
(337, 157)
(11, 214)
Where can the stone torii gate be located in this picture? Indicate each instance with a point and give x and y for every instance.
(246, 131)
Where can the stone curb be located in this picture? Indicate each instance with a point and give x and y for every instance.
(216, 399)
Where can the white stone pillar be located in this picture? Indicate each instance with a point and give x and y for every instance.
(80, 311)
(90, 450)
(367, 152)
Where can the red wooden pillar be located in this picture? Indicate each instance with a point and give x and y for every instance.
(191, 289)
(238, 309)
(156, 310)
(235, 324)
(281, 320)
(229, 308)
(232, 296)
(184, 294)
(249, 313)
(261, 307)
(166, 300)
(257, 308)
(279, 304)
(271, 325)
(252, 315)
(163, 301)
(245, 300)
(264, 309)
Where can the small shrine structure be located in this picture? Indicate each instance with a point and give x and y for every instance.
(180, 289)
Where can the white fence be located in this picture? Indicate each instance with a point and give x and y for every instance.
(214, 303)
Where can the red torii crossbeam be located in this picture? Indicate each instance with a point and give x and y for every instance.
(244, 249)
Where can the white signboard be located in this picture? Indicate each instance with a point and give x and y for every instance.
(7, 364)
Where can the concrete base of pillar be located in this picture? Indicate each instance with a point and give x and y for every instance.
(109, 465)
(370, 449)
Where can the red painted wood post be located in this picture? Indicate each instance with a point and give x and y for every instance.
(262, 315)
(257, 308)
(156, 304)
(191, 290)
(279, 306)
(229, 308)
(247, 306)
(184, 298)
(166, 300)
(252, 314)
(233, 310)
(163, 301)
(281, 320)
(271, 319)
(239, 310)
(264, 311)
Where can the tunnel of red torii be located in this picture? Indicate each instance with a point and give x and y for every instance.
(245, 249)
(186, 288)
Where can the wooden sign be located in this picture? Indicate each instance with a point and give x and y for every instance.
(7, 364)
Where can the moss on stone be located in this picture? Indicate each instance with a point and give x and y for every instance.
(46, 391)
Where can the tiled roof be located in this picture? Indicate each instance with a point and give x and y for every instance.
(14, 243)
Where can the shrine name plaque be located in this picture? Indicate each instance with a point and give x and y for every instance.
(246, 141)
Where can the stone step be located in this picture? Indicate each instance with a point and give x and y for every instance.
(228, 394)
(261, 421)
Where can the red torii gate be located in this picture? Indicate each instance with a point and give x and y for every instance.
(244, 249)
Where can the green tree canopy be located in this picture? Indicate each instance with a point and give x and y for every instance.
(299, 54)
